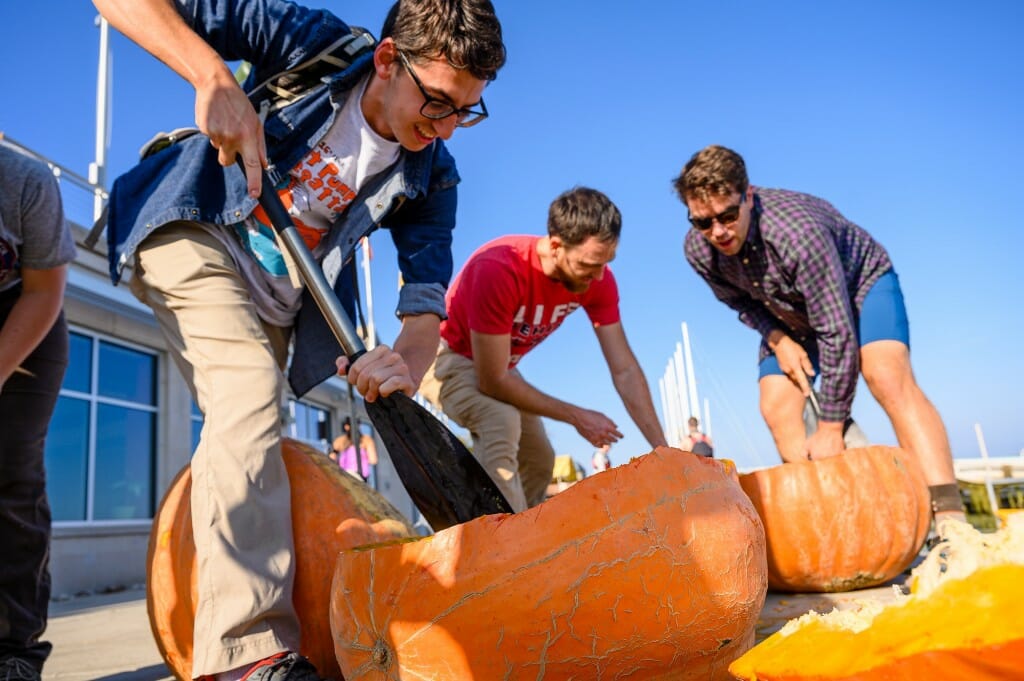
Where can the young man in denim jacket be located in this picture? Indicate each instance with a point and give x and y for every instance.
(357, 153)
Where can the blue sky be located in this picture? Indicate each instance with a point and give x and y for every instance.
(906, 116)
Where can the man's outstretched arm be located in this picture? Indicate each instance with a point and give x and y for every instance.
(630, 382)
(490, 359)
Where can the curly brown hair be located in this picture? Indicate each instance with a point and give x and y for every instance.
(713, 171)
(465, 33)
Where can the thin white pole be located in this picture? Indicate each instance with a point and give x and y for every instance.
(664, 411)
(371, 331)
(681, 376)
(992, 499)
(707, 417)
(691, 376)
(98, 168)
(672, 391)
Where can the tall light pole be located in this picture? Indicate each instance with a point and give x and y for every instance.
(98, 168)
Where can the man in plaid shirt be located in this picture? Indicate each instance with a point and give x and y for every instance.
(825, 298)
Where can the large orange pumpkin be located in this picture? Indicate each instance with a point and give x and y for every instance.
(331, 511)
(966, 625)
(653, 569)
(847, 522)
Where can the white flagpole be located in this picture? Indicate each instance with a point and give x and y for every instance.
(672, 391)
(371, 331)
(681, 378)
(98, 168)
(664, 411)
(707, 417)
(992, 498)
(692, 378)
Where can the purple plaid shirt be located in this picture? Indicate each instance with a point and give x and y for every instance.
(804, 269)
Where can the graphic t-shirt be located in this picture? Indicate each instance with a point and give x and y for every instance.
(502, 289)
(319, 189)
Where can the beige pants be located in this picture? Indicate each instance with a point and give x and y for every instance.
(241, 505)
(510, 444)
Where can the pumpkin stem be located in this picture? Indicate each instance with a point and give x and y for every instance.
(381, 655)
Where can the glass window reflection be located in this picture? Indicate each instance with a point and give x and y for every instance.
(124, 463)
(308, 424)
(67, 457)
(101, 444)
(127, 374)
(77, 376)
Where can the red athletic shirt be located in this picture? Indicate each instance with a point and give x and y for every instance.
(502, 289)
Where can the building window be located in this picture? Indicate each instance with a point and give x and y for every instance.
(101, 444)
(308, 423)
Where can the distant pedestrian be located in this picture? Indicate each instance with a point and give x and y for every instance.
(699, 442)
(601, 462)
(356, 462)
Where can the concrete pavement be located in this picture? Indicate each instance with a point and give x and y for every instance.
(103, 638)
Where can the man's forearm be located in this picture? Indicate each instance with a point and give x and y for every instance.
(513, 389)
(636, 396)
(30, 320)
(417, 343)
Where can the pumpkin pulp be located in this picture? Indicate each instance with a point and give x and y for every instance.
(966, 629)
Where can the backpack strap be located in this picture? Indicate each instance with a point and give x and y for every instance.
(97, 228)
(288, 87)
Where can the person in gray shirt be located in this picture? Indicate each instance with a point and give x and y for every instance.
(35, 248)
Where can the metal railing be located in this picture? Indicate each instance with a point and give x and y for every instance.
(78, 194)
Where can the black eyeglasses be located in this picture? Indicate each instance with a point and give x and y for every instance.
(726, 217)
(438, 109)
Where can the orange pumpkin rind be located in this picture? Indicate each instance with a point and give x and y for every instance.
(652, 569)
(331, 511)
(848, 522)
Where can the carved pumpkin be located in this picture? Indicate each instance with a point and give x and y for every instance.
(331, 511)
(961, 622)
(847, 522)
(652, 569)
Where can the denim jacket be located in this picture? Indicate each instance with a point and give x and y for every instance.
(415, 199)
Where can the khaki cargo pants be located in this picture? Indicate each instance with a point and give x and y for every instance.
(510, 444)
(241, 501)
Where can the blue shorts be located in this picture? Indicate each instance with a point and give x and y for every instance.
(882, 317)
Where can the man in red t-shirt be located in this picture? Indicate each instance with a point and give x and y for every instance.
(511, 294)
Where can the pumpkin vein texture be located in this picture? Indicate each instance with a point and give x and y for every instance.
(842, 523)
(331, 511)
(653, 569)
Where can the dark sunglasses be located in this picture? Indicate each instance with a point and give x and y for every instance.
(438, 109)
(726, 217)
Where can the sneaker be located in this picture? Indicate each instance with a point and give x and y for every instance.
(17, 669)
(282, 667)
